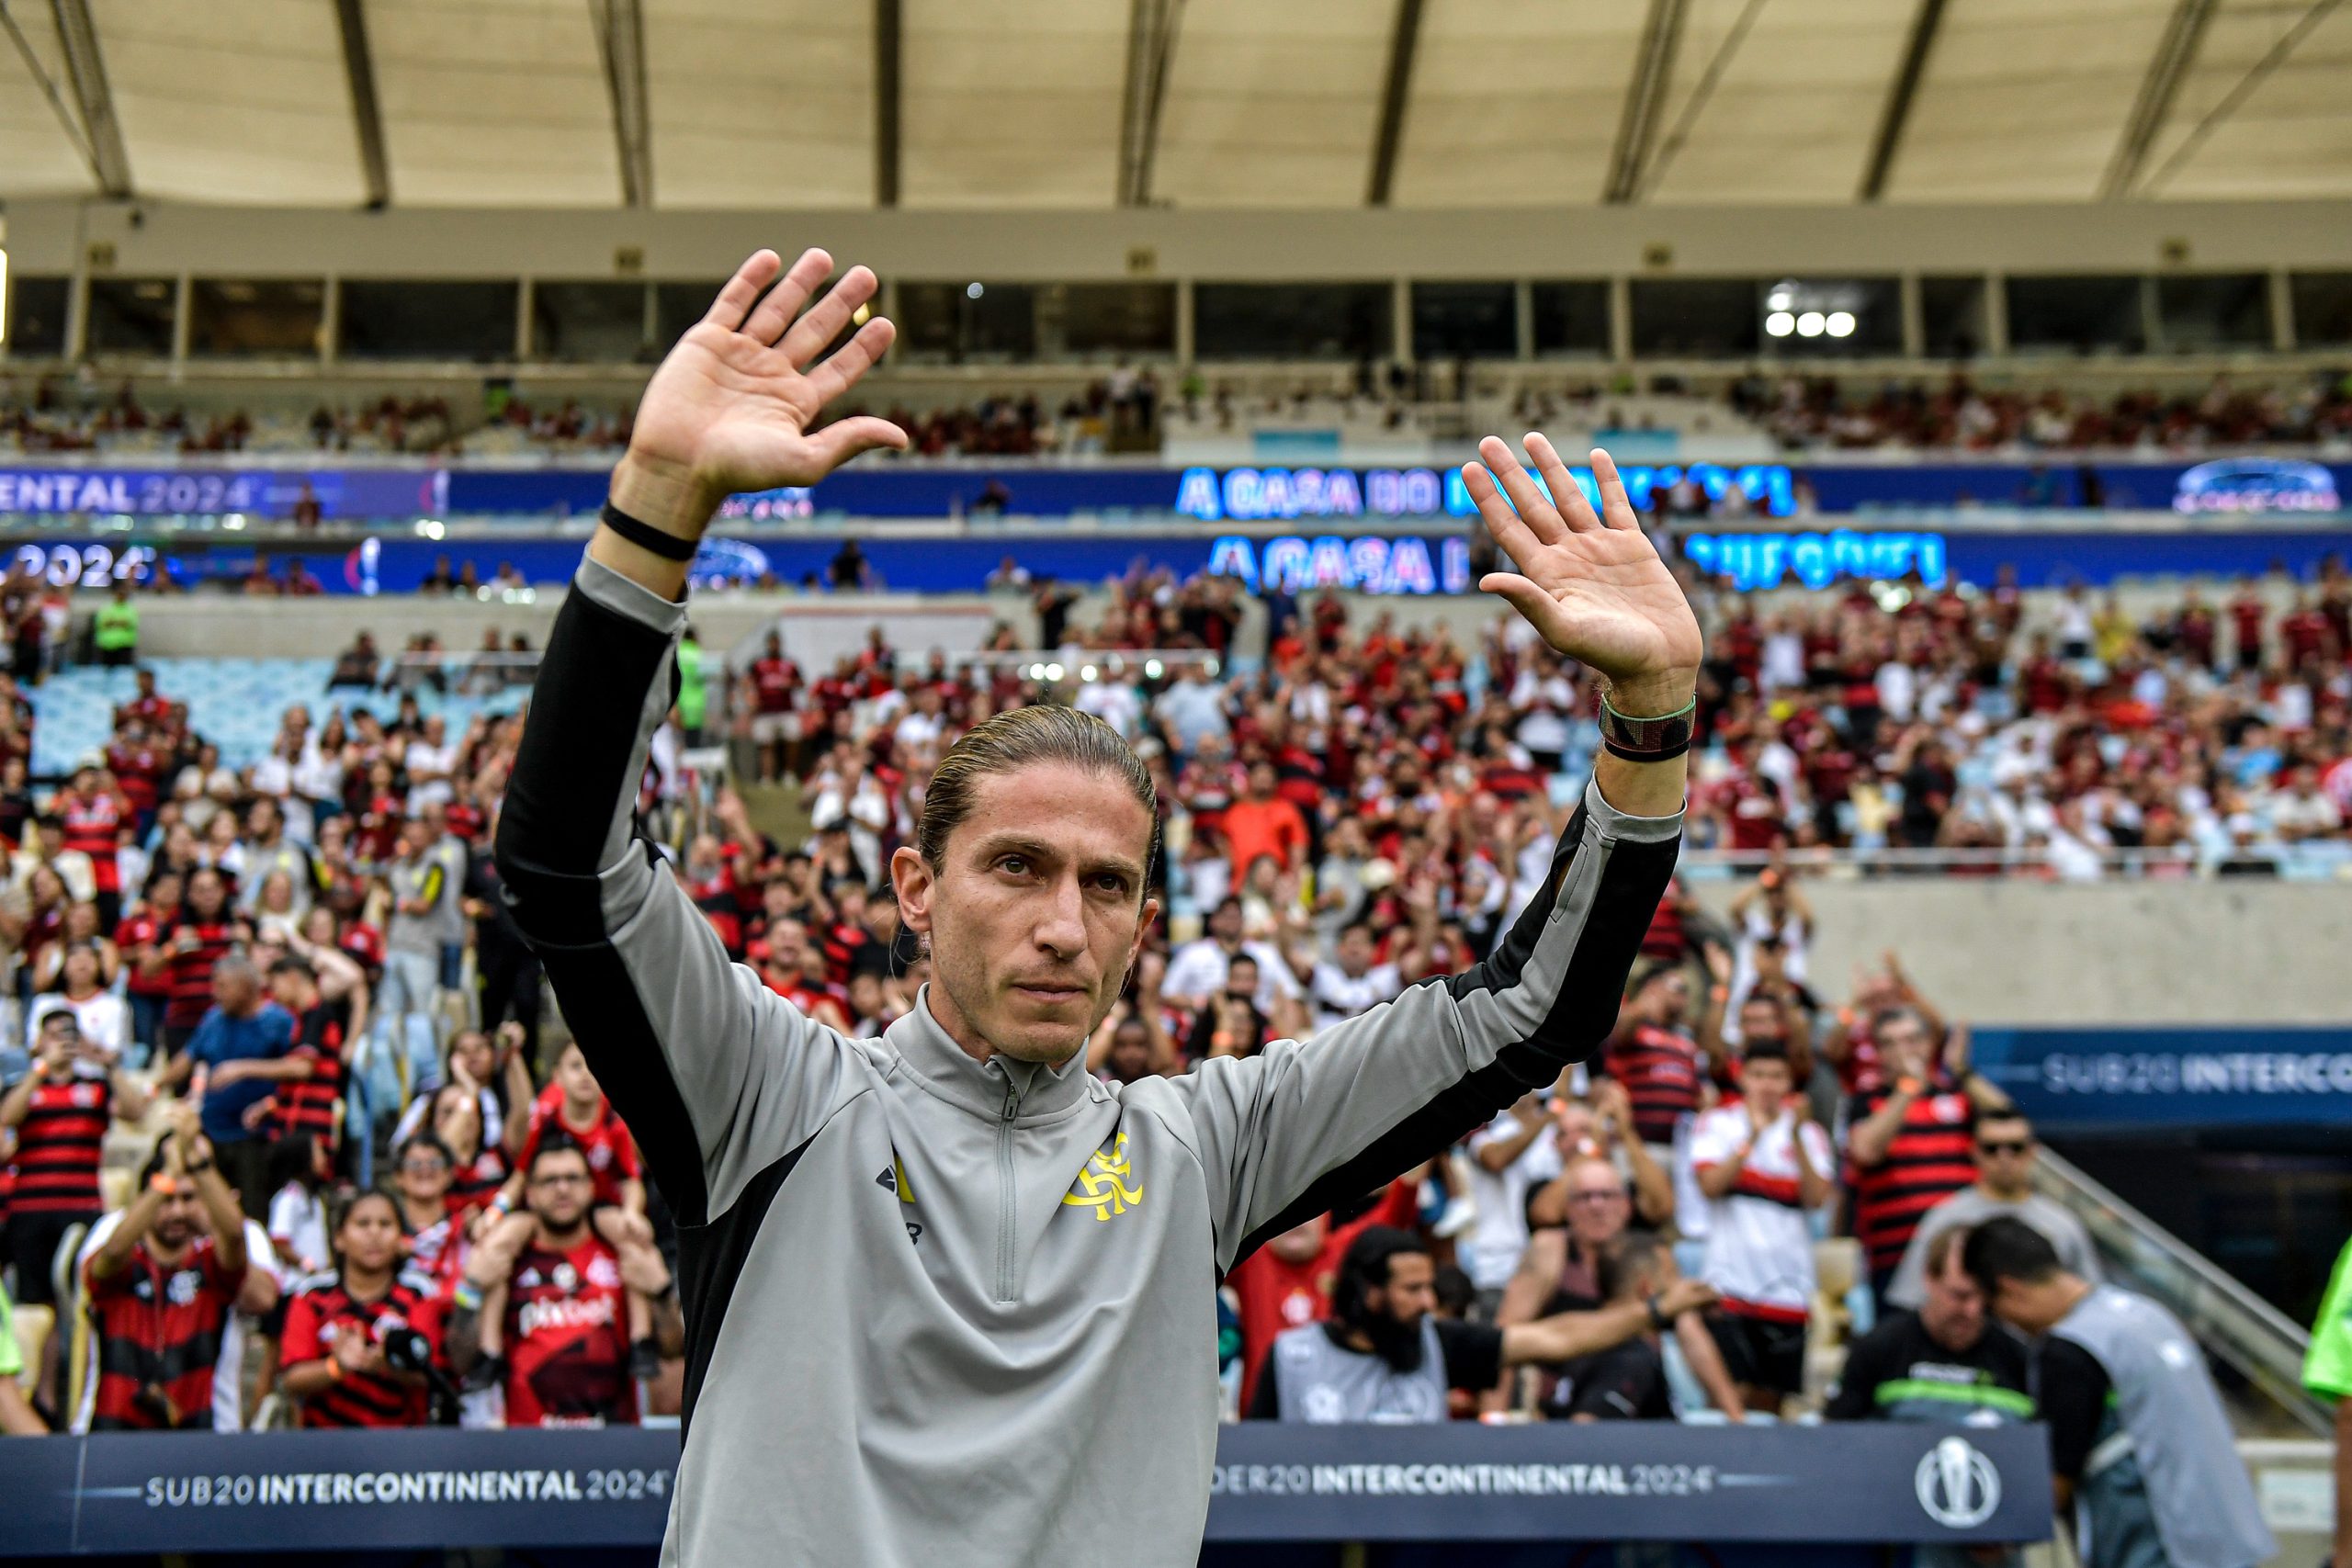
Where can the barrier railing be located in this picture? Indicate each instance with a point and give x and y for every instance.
(2244, 1332)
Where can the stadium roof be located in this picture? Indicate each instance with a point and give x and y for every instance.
(776, 104)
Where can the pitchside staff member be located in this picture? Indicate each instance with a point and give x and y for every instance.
(2141, 1446)
(949, 1294)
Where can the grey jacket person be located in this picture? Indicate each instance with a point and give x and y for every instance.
(945, 1312)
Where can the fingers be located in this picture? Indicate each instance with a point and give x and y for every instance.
(1542, 518)
(735, 301)
(838, 372)
(825, 320)
(1530, 602)
(1511, 531)
(1616, 510)
(1567, 495)
(767, 323)
(838, 442)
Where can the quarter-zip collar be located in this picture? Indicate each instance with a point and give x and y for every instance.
(980, 1088)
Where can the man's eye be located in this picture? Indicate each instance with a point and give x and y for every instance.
(1017, 865)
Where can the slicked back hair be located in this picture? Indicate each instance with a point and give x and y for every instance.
(1020, 739)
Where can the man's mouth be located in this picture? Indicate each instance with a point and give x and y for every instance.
(1048, 990)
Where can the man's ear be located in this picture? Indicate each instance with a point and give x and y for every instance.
(911, 876)
(1145, 921)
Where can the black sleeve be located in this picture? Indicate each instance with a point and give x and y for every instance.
(1866, 1367)
(1474, 1353)
(1620, 1384)
(1265, 1403)
(2073, 1396)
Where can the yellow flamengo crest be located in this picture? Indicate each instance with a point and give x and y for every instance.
(1106, 1177)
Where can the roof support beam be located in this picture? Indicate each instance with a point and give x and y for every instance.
(86, 69)
(2232, 101)
(1403, 40)
(366, 113)
(1151, 44)
(620, 43)
(1645, 100)
(1897, 112)
(2176, 53)
(888, 59)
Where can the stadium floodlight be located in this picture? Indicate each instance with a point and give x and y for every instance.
(1779, 323)
(1035, 672)
(1782, 296)
(1053, 672)
(1810, 324)
(1152, 669)
(1840, 323)
(973, 291)
(1086, 671)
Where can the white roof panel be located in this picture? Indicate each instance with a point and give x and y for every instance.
(2291, 136)
(1273, 104)
(36, 156)
(1010, 103)
(761, 103)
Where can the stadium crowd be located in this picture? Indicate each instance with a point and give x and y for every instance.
(370, 1191)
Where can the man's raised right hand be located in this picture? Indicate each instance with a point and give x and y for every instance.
(730, 407)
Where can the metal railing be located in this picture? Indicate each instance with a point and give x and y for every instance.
(2238, 1327)
(2323, 858)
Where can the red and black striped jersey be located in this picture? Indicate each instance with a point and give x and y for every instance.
(475, 1182)
(158, 1329)
(309, 1105)
(60, 1145)
(321, 1312)
(1932, 1157)
(611, 1153)
(1663, 1072)
(94, 826)
(191, 967)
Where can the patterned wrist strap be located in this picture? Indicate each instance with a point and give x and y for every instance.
(1658, 739)
(645, 536)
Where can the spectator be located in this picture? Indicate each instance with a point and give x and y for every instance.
(410, 1002)
(160, 1288)
(239, 1046)
(1911, 1142)
(1383, 1355)
(201, 932)
(1262, 823)
(339, 1327)
(1200, 968)
(2005, 1152)
(1511, 1156)
(1762, 1164)
(2139, 1440)
(1628, 1381)
(99, 1016)
(1593, 1258)
(554, 1287)
(356, 666)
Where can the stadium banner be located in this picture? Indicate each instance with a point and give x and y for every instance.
(2078, 1078)
(324, 1491)
(1393, 561)
(200, 490)
(1329, 498)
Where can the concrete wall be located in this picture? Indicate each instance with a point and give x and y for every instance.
(1846, 241)
(816, 630)
(2016, 952)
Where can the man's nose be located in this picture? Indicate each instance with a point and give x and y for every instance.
(1061, 924)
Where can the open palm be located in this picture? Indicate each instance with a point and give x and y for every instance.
(731, 406)
(1591, 584)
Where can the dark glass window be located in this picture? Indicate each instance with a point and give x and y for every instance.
(132, 315)
(1459, 321)
(412, 319)
(2082, 315)
(2220, 311)
(1571, 319)
(677, 306)
(976, 320)
(589, 323)
(2323, 303)
(1106, 318)
(1951, 317)
(235, 318)
(1292, 320)
(1695, 317)
(37, 309)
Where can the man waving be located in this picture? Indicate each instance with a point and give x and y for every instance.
(947, 1296)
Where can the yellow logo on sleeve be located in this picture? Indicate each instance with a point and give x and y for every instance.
(1105, 1178)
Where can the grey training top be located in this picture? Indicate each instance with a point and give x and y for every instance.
(944, 1311)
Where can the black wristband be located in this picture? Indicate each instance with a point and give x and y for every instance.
(645, 536)
(1657, 1318)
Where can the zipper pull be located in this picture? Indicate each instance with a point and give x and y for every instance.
(1011, 1102)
